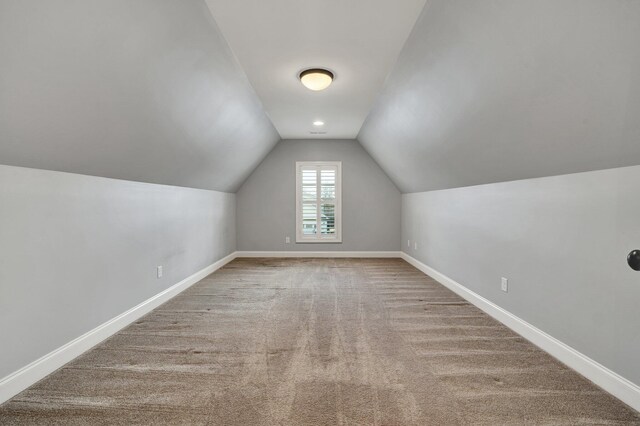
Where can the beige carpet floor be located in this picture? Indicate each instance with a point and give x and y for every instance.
(316, 342)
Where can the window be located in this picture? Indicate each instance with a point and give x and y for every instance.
(318, 199)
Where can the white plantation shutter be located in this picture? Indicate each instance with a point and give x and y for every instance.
(318, 199)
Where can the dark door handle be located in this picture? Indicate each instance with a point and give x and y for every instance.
(634, 260)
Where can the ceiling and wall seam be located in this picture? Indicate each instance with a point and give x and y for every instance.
(241, 71)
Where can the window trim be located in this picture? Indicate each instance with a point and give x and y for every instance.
(315, 239)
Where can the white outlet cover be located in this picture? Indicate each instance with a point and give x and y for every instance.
(408, 243)
(159, 271)
(504, 285)
(415, 246)
(287, 240)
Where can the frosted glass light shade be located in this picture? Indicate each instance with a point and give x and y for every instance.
(316, 78)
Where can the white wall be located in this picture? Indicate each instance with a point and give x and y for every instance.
(76, 251)
(370, 201)
(561, 241)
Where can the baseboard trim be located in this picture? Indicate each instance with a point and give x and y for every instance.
(623, 389)
(20, 380)
(368, 254)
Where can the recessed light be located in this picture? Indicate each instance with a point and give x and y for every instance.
(318, 123)
(316, 78)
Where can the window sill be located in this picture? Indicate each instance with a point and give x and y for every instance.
(319, 241)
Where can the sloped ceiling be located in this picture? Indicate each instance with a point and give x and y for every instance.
(144, 90)
(357, 39)
(483, 91)
(497, 90)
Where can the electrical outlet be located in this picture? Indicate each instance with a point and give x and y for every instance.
(415, 245)
(287, 240)
(159, 271)
(504, 285)
(409, 243)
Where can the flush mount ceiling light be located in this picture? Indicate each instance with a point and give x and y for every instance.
(316, 78)
(318, 123)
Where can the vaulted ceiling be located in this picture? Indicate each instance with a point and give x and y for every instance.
(143, 90)
(359, 40)
(498, 90)
(196, 94)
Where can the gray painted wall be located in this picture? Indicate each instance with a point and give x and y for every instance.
(75, 251)
(561, 241)
(143, 90)
(497, 90)
(370, 201)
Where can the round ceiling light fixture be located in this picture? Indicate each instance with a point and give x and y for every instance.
(316, 78)
(318, 123)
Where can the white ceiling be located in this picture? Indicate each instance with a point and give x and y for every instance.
(359, 40)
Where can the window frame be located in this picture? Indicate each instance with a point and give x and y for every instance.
(318, 238)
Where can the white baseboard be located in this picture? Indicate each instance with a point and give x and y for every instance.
(18, 381)
(618, 386)
(372, 254)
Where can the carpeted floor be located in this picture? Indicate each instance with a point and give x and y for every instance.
(316, 342)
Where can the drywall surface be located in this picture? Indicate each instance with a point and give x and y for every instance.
(497, 90)
(359, 40)
(143, 90)
(267, 200)
(561, 241)
(76, 251)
